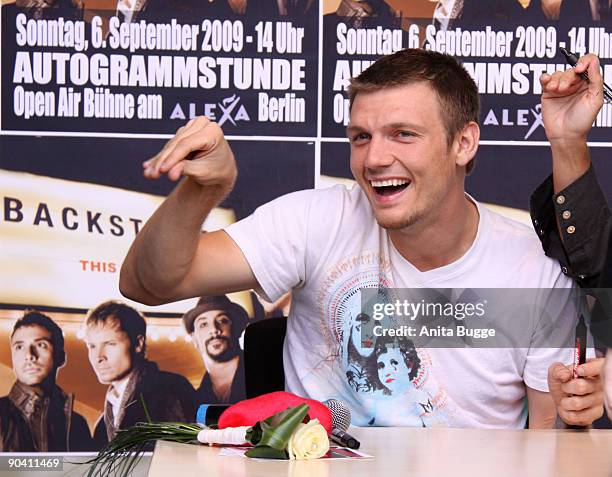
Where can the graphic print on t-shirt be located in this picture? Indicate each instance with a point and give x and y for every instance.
(390, 377)
(329, 246)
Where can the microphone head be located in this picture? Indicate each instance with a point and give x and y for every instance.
(341, 414)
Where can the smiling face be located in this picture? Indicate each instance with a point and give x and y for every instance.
(400, 156)
(212, 332)
(32, 354)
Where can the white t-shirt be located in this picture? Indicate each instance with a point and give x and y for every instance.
(325, 245)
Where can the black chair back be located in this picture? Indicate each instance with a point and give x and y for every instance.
(263, 356)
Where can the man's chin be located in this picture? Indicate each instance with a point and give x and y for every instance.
(222, 356)
(391, 223)
(32, 380)
(108, 378)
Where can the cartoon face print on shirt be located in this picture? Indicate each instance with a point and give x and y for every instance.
(351, 335)
(393, 371)
(397, 364)
(359, 359)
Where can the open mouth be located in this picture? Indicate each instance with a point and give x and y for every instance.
(389, 187)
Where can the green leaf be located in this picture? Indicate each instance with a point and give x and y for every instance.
(266, 452)
(144, 407)
(253, 434)
(276, 430)
(121, 455)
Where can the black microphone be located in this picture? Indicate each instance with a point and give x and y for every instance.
(208, 414)
(341, 420)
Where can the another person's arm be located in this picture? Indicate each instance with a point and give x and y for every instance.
(569, 210)
(549, 383)
(171, 258)
(574, 232)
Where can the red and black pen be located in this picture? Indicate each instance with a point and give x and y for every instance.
(580, 346)
(579, 354)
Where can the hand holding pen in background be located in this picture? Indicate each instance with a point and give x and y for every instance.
(572, 59)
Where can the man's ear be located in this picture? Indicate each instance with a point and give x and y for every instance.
(140, 341)
(466, 144)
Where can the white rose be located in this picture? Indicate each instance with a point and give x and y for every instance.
(308, 441)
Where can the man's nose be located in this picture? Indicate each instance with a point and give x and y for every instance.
(378, 156)
(32, 354)
(99, 355)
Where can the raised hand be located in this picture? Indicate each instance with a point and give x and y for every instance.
(199, 151)
(569, 103)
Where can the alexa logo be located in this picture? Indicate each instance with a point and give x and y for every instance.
(228, 110)
(529, 119)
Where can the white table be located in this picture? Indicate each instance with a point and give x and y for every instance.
(416, 452)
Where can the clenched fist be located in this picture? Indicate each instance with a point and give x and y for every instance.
(199, 151)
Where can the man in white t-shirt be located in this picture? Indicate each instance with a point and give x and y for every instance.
(408, 224)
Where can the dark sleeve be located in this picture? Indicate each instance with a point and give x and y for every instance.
(601, 315)
(238, 392)
(187, 398)
(179, 400)
(100, 437)
(585, 222)
(80, 437)
(15, 435)
(3, 426)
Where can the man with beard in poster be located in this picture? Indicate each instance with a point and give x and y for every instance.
(37, 415)
(116, 346)
(215, 325)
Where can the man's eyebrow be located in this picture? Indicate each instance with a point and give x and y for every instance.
(353, 128)
(102, 342)
(404, 125)
(221, 313)
(399, 124)
(36, 341)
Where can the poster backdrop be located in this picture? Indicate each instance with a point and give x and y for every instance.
(90, 89)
